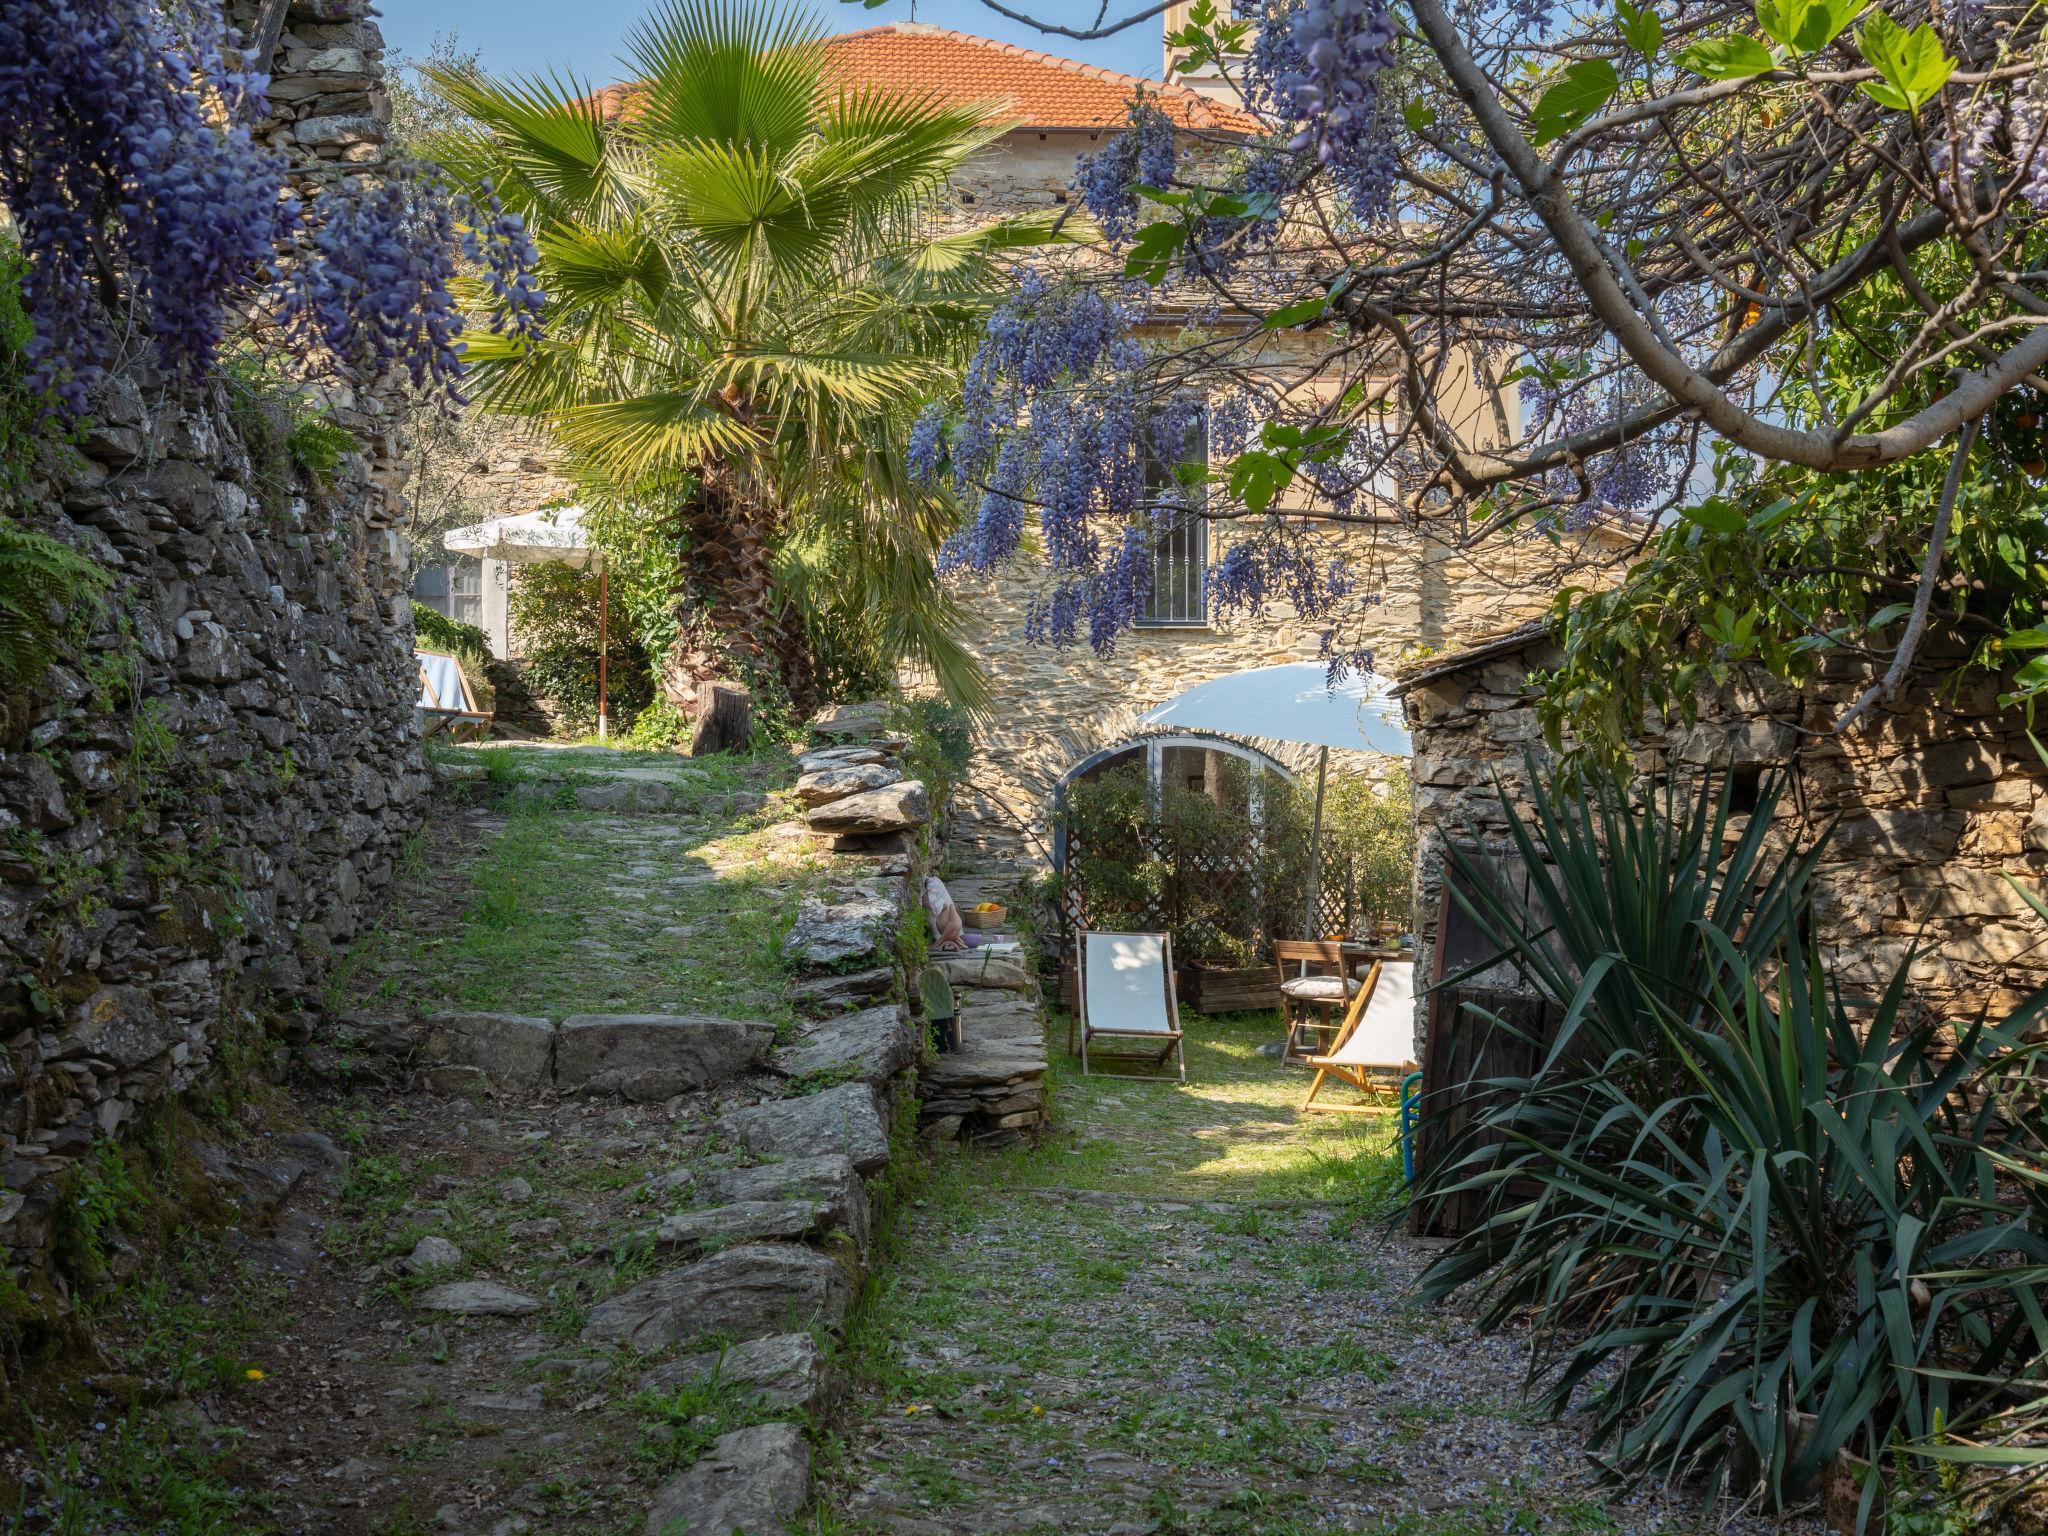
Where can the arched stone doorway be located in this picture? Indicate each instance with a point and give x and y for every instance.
(1168, 756)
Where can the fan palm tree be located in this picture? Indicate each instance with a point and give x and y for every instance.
(746, 304)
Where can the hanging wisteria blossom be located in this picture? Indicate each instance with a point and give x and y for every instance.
(128, 166)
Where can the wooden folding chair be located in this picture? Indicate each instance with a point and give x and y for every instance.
(1378, 1036)
(1314, 984)
(1126, 993)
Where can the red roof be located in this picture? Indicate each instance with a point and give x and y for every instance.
(1041, 90)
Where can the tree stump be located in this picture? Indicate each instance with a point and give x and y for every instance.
(725, 718)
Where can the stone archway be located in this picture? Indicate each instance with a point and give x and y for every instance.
(1154, 747)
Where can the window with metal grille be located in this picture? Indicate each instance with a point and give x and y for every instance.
(1180, 556)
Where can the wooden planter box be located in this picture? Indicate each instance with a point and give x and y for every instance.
(1217, 989)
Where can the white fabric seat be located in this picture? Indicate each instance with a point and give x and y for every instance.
(1127, 995)
(1320, 989)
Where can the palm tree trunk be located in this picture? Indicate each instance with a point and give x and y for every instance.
(731, 621)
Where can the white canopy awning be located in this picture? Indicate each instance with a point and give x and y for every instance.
(553, 534)
(1293, 702)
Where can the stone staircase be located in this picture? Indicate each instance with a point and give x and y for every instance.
(761, 1236)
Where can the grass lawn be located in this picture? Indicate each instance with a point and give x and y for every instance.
(1235, 1131)
(539, 906)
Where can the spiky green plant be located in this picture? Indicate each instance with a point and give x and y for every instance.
(1754, 1225)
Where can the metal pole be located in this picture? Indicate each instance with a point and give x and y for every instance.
(603, 644)
(1315, 848)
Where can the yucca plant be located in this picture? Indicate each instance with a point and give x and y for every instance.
(1756, 1225)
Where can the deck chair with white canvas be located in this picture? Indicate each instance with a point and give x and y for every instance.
(1377, 1036)
(1127, 998)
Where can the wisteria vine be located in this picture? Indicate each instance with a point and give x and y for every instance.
(128, 165)
(1056, 422)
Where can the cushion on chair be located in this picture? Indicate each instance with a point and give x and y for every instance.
(1320, 989)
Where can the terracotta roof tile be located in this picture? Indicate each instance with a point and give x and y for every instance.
(1042, 90)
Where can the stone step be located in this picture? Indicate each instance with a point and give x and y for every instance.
(844, 1120)
(784, 1370)
(744, 1221)
(645, 1058)
(753, 1480)
(753, 1289)
(835, 781)
(848, 926)
(901, 807)
(829, 1181)
(870, 1046)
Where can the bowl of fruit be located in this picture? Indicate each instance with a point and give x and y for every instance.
(984, 914)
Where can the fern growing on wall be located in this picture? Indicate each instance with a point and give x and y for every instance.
(47, 588)
(43, 585)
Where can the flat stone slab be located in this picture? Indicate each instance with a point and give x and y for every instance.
(785, 1370)
(870, 1046)
(900, 807)
(850, 926)
(828, 1181)
(842, 989)
(744, 1221)
(752, 1481)
(856, 721)
(835, 781)
(820, 758)
(513, 1050)
(842, 1120)
(645, 1058)
(753, 1289)
(973, 1069)
(479, 1298)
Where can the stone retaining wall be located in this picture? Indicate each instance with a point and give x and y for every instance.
(1938, 797)
(201, 806)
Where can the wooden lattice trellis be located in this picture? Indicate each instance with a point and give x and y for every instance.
(1216, 895)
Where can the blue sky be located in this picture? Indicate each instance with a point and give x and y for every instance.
(583, 36)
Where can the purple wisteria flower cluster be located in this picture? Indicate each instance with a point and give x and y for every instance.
(1142, 155)
(1316, 64)
(379, 291)
(117, 174)
(129, 168)
(1976, 134)
(1631, 478)
(1060, 420)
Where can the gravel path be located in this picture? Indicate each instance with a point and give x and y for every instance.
(1132, 1360)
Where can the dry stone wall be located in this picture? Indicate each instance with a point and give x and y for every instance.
(1937, 799)
(200, 806)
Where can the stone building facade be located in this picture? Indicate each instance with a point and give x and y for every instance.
(200, 807)
(1053, 708)
(1939, 804)
(1050, 708)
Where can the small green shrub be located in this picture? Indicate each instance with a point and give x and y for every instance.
(660, 727)
(49, 593)
(101, 1197)
(318, 443)
(555, 615)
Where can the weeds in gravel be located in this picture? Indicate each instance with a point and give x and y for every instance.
(679, 1425)
(139, 1473)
